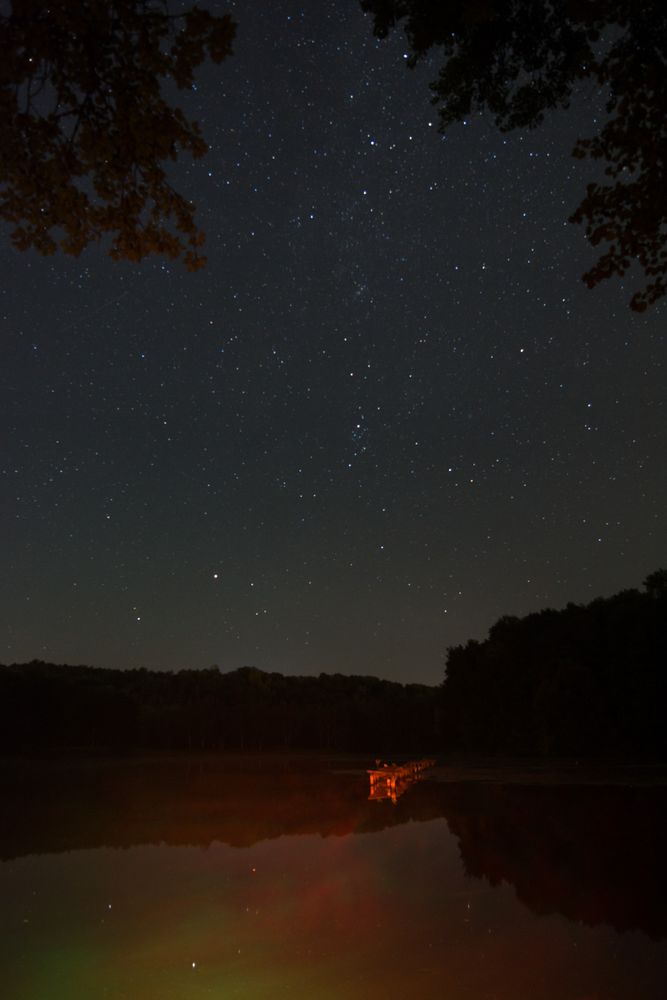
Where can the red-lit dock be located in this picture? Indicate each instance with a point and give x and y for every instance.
(390, 780)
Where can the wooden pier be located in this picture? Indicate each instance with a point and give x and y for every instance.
(391, 780)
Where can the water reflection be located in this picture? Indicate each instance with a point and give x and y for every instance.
(459, 889)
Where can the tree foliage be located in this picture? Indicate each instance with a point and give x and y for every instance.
(588, 680)
(86, 131)
(519, 59)
(47, 705)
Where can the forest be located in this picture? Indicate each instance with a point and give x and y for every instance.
(585, 681)
(588, 680)
(45, 705)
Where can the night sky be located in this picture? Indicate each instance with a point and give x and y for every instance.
(386, 413)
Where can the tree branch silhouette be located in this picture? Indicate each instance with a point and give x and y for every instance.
(86, 132)
(519, 59)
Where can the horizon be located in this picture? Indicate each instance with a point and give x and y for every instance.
(225, 670)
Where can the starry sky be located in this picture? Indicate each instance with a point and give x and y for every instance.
(386, 413)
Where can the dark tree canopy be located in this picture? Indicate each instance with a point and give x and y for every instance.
(588, 680)
(85, 129)
(519, 59)
(46, 705)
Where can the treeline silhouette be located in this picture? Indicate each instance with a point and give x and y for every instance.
(43, 705)
(589, 680)
(584, 681)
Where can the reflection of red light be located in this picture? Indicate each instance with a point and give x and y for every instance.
(391, 780)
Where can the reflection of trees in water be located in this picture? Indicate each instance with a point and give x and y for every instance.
(591, 853)
(595, 854)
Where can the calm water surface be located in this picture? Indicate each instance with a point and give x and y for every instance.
(251, 878)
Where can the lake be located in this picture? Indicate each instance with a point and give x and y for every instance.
(179, 878)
